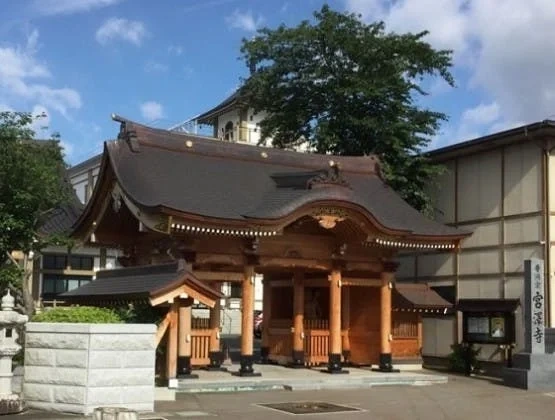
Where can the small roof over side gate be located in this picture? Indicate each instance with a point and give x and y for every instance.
(155, 284)
(418, 297)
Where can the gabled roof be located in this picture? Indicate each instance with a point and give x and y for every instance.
(210, 181)
(492, 141)
(226, 105)
(145, 283)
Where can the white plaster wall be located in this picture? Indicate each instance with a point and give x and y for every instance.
(437, 336)
(78, 367)
(523, 182)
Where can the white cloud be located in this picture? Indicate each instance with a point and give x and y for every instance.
(113, 29)
(152, 111)
(504, 46)
(175, 50)
(481, 114)
(66, 7)
(41, 121)
(23, 76)
(155, 67)
(245, 21)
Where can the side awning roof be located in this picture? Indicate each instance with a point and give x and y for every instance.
(155, 284)
(488, 305)
(418, 297)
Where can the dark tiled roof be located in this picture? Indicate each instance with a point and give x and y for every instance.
(417, 296)
(159, 169)
(137, 283)
(60, 219)
(487, 305)
(224, 106)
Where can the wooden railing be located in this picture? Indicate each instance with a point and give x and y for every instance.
(280, 344)
(200, 347)
(316, 346)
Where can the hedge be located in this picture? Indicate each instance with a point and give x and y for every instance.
(79, 314)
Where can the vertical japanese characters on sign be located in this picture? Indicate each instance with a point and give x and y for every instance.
(535, 306)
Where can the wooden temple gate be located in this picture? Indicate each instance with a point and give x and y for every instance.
(323, 232)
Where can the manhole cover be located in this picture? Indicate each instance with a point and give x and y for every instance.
(309, 407)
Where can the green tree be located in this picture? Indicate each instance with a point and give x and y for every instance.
(349, 88)
(31, 184)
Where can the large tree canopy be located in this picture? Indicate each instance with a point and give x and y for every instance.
(349, 88)
(31, 184)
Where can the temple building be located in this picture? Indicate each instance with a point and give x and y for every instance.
(189, 212)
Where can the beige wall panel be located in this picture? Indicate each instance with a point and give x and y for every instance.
(435, 283)
(469, 288)
(406, 266)
(443, 195)
(514, 258)
(479, 186)
(484, 234)
(523, 230)
(437, 336)
(552, 226)
(552, 182)
(514, 287)
(479, 262)
(435, 265)
(522, 178)
(491, 288)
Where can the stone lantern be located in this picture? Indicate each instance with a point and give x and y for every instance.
(9, 323)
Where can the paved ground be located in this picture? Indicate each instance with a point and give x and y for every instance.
(462, 398)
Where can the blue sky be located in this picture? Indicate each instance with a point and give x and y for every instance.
(78, 61)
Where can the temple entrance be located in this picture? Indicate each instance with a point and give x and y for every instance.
(364, 330)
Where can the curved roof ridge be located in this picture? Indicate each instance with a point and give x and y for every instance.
(138, 134)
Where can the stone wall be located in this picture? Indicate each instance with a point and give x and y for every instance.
(78, 367)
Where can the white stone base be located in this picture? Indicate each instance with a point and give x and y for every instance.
(78, 367)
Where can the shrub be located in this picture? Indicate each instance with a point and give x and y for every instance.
(461, 355)
(79, 314)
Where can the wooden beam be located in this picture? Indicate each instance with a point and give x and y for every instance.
(172, 342)
(355, 281)
(162, 328)
(309, 264)
(219, 276)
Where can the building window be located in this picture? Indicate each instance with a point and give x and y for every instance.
(228, 131)
(54, 284)
(60, 262)
(235, 290)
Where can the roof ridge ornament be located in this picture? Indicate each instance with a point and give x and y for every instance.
(129, 135)
(331, 176)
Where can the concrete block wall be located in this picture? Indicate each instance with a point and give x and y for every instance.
(78, 367)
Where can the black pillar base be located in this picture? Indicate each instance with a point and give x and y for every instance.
(334, 364)
(264, 355)
(184, 370)
(298, 360)
(386, 364)
(246, 369)
(216, 360)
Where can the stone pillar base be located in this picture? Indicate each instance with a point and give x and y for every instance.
(298, 360)
(184, 370)
(246, 369)
(385, 364)
(334, 364)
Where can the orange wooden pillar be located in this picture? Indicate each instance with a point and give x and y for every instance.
(346, 323)
(184, 349)
(334, 354)
(247, 323)
(298, 319)
(172, 343)
(215, 353)
(387, 278)
(266, 318)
